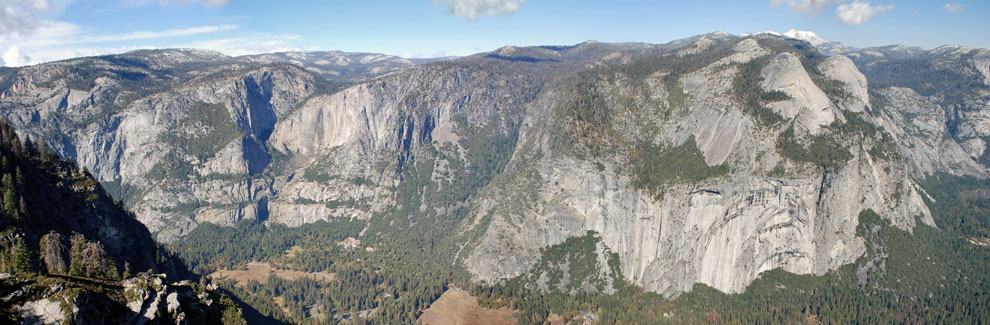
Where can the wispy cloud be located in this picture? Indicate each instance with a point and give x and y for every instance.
(19, 18)
(60, 40)
(953, 7)
(38, 4)
(158, 34)
(809, 7)
(471, 9)
(31, 33)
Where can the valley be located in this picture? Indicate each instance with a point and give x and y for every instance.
(719, 178)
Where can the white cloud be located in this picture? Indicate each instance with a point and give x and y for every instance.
(38, 4)
(858, 12)
(17, 19)
(62, 33)
(26, 38)
(953, 7)
(809, 7)
(48, 54)
(258, 43)
(214, 3)
(471, 9)
(13, 57)
(62, 40)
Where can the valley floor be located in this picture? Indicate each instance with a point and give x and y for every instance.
(260, 272)
(456, 306)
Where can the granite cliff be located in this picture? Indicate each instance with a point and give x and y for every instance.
(706, 160)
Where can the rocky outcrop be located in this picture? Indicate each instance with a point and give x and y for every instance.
(842, 69)
(152, 300)
(920, 127)
(144, 299)
(42, 311)
(808, 105)
(939, 110)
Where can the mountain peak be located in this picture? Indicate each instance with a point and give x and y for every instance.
(825, 46)
(804, 35)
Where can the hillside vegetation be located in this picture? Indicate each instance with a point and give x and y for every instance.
(65, 241)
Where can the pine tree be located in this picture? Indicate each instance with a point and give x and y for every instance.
(29, 149)
(18, 177)
(20, 256)
(53, 253)
(10, 200)
(76, 264)
(96, 263)
(22, 210)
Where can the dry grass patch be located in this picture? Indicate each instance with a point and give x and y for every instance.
(261, 271)
(457, 307)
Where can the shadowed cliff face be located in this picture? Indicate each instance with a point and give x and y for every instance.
(708, 160)
(46, 196)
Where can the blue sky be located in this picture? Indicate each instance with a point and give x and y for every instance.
(33, 31)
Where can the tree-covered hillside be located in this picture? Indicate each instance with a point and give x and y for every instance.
(64, 241)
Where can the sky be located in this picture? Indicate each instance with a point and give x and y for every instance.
(35, 31)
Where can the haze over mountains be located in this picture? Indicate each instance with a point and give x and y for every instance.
(709, 160)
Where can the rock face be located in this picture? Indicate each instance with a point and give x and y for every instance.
(179, 135)
(842, 69)
(690, 165)
(808, 105)
(152, 300)
(941, 116)
(147, 299)
(42, 311)
(921, 125)
(721, 231)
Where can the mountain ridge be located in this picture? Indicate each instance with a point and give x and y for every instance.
(280, 143)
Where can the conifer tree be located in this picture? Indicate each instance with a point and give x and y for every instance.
(20, 256)
(11, 202)
(53, 253)
(76, 264)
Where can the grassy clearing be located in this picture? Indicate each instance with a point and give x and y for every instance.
(459, 307)
(261, 271)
